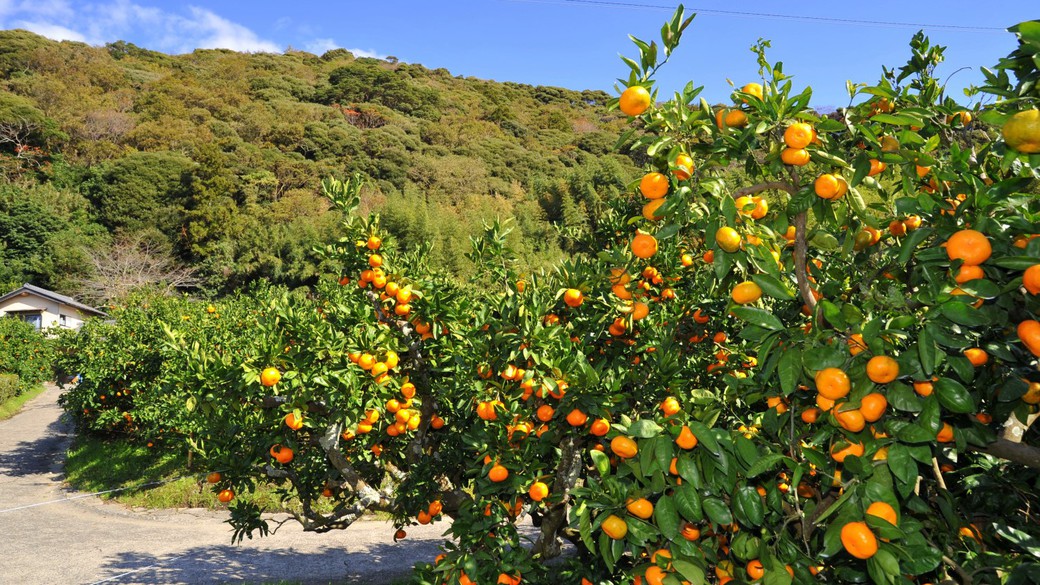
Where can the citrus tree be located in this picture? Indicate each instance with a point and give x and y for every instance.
(826, 372)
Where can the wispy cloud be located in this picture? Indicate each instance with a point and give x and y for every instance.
(367, 53)
(101, 22)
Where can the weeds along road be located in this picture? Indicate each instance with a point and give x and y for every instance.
(86, 540)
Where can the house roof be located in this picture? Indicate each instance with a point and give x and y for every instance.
(53, 296)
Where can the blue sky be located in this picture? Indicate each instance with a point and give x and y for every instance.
(569, 43)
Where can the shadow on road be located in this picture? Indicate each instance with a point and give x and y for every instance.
(378, 564)
(43, 455)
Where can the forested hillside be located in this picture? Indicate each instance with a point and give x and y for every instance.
(118, 158)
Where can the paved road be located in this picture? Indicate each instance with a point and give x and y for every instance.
(86, 540)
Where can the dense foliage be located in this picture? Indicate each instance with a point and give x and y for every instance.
(214, 157)
(24, 353)
(825, 374)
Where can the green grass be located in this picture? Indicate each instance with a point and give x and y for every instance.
(11, 407)
(96, 465)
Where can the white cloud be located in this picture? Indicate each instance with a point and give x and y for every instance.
(51, 31)
(367, 53)
(107, 21)
(320, 46)
(221, 33)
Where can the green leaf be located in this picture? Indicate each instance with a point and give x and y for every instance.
(911, 242)
(601, 461)
(704, 436)
(953, 396)
(897, 119)
(764, 464)
(773, 287)
(689, 571)
(927, 351)
(747, 506)
(963, 314)
(688, 502)
(717, 511)
(790, 370)
(666, 516)
(644, 429)
(902, 465)
(759, 317)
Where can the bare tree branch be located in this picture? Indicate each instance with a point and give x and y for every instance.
(130, 264)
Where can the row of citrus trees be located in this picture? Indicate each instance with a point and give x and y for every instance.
(25, 357)
(828, 374)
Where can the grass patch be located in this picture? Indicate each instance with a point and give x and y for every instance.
(149, 478)
(12, 406)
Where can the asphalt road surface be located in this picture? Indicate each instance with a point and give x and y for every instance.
(51, 534)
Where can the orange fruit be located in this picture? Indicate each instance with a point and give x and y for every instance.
(640, 508)
(755, 570)
(745, 205)
(623, 447)
(1029, 333)
(683, 166)
(634, 100)
(977, 356)
(600, 427)
(856, 344)
(650, 209)
(876, 167)
(653, 185)
(270, 376)
(226, 496)
(797, 157)
(373, 242)
(573, 297)
(614, 527)
(967, 273)
(644, 245)
(686, 438)
(832, 383)
(640, 311)
(507, 579)
(884, 511)
(945, 434)
(746, 292)
(735, 119)
(923, 388)
(1032, 395)
(498, 473)
(842, 450)
(897, 228)
(1031, 279)
(858, 540)
(754, 89)
(577, 418)
(882, 369)
(850, 419)
(761, 208)
(728, 239)
(810, 415)
(830, 186)
(281, 454)
(873, 406)
(912, 222)
(1022, 131)
(799, 135)
(971, 246)
(690, 531)
(670, 406)
(538, 491)
(294, 422)
(214, 477)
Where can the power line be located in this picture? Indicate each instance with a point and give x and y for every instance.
(773, 16)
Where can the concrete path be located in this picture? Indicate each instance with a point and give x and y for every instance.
(86, 540)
